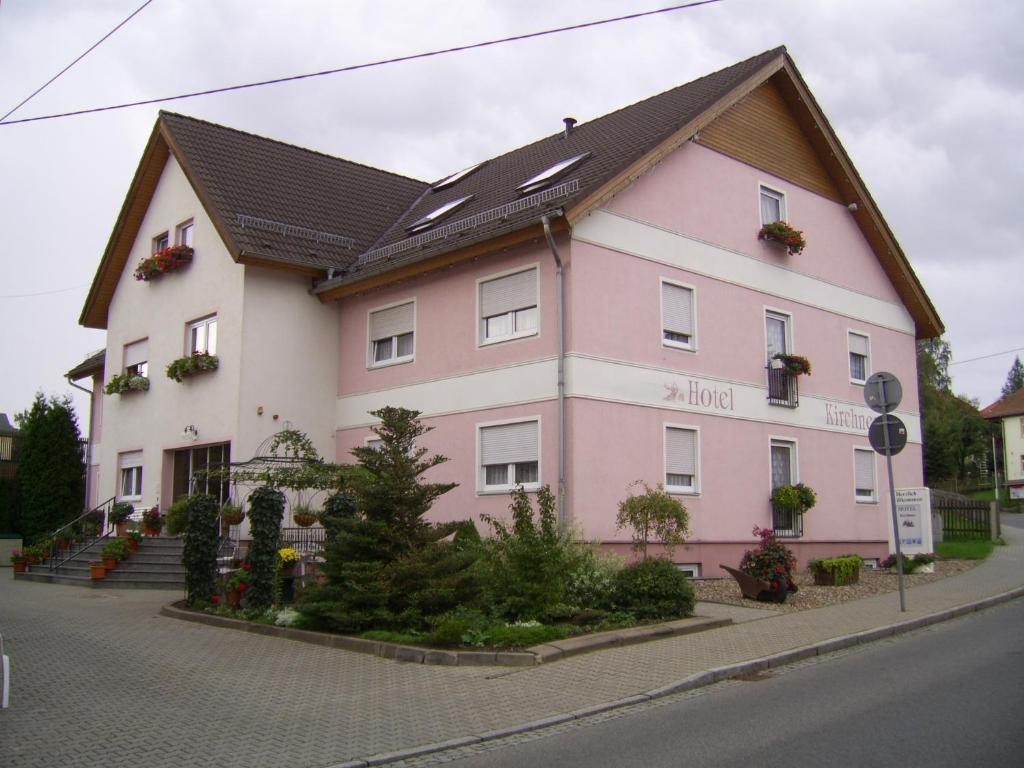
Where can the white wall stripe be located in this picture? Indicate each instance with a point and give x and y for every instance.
(647, 241)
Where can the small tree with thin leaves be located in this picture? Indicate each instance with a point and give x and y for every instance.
(653, 515)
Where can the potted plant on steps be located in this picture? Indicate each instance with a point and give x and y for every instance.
(118, 517)
(19, 561)
(152, 522)
(97, 571)
(132, 540)
(113, 552)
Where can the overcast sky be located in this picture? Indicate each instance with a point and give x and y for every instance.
(926, 95)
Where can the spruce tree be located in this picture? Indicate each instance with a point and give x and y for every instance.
(51, 469)
(1014, 379)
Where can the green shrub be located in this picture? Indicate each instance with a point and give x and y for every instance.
(653, 589)
(266, 508)
(200, 552)
(842, 568)
(910, 563)
(176, 519)
(590, 580)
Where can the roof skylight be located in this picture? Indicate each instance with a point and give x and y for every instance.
(545, 177)
(436, 215)
(456, 177)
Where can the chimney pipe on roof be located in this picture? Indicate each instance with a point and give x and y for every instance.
(570, 122)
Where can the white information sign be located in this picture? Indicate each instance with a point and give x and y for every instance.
(1017, 491)
(914, 518)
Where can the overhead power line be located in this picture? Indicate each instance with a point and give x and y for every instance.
(986, 357)
(89, 50)
(43, 293)
(355, 67)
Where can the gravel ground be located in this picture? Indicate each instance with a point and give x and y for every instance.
(871, 583)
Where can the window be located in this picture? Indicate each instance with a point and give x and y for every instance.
(777, 333)
(783, 454)
(202, 336)
(773, 205)
(183, 235)
(859, 358)
(391, 334)
(136, 358)
(508, 307)
(160, 242)
(544, 178)
(677, 326)
(680, 460)
(783, 389)
(374, 442)
(510, 456)
(455, 178)
(436, 215)
(864, 474)
(192, 471)
(690, 570)
(131, 475)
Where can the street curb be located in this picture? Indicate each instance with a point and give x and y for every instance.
(533, 656)
(699, 680)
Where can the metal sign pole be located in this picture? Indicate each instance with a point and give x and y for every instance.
(892, 505)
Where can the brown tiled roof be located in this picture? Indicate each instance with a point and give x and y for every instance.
(242, 175)
(92, 364)
(1011, 405)
(614, 141)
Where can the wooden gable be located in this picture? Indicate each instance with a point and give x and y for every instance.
(761, 130)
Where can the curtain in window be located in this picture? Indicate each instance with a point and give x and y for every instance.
(775, 327)
(677, 309)
(509, 293)
(771, 208)
(509, 443)
(394, 321)
(782, 465)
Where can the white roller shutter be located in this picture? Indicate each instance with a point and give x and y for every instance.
(509, 443)
(394, 321)
(136, 352)
(680, 451)
(677, 309)
(509, 293)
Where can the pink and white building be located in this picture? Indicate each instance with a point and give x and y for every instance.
(585, 312)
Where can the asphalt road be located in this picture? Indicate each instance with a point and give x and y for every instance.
(1012, 519)
(948, 695)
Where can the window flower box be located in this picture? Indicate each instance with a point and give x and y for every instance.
(169, 259)
(781, 232)
(794, 498)
(126, 382)
(794, 365)
(190, 365)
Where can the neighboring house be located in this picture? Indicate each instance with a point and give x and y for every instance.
(639, 228)
(8, 448)
(1008, 413)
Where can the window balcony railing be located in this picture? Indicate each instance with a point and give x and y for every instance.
(787, 523)
(782, 387)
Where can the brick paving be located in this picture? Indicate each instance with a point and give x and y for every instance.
(99, 678)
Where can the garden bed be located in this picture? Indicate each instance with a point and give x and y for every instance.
(810, 596)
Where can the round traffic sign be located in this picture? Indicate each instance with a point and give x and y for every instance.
(897, 434)
(883, 392)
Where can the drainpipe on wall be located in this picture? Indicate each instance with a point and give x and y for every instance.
(560, 298)
(88, 444)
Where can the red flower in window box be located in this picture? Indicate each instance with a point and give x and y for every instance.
(781, 232)
(169, 259)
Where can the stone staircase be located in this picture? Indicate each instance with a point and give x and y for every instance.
(156, 565)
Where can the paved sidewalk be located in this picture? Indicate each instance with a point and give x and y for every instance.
(99, 678)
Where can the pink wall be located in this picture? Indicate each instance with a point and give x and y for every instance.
(615, 445)
(730, 327)
(699, 192)
(446, 324)
(455, 437)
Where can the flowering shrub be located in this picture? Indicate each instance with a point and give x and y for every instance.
(771, 561)
(795, 365)
(169, 259)
(287, 556)
(781, 232)
(126, 382)
(197, 362)
(152, 521)
(18, 557)
(239, 578)
(910, 563)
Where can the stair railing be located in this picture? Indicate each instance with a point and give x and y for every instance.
(91, 524)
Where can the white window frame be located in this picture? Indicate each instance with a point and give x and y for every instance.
(783, 315)
(849, 356)
(690, 570)
(482, 339)
(482, 488)
(184, 232)
(873, 499)
(136, 369)
(372, 344)
(683, 490)
(203, 323)
(691, 345)
(772, 192)
(161, 241)
(794, 464)
(132, 470)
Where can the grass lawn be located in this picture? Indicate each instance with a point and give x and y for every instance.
(964, 549)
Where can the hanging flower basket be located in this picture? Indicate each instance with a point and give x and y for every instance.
(795, 365)
(781, 232)
(169, 259)
(126, 382)
(303, 516)
(794, 498)
(199, 362)
(232, 514)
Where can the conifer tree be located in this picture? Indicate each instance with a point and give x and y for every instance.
(1014, 379)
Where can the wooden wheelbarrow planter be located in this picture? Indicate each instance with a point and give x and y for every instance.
(754, 588)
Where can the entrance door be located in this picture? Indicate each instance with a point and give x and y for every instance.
(189, 461)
